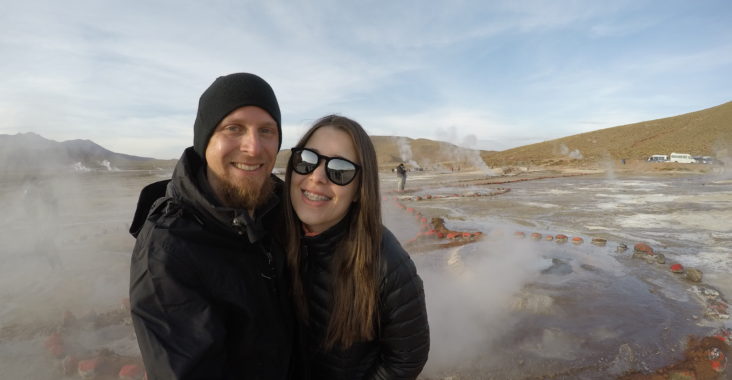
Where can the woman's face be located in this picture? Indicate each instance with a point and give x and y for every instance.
(318, 202)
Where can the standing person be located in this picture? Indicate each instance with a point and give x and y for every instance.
(207, 287)
(402, 174)
(357, 292)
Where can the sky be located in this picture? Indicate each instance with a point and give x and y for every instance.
(481, 74)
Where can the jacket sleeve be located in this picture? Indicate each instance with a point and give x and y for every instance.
(404, 330)
(179, 334)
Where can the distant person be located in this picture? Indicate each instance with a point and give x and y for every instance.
(357, 292)
(208, 293)
(402, 177)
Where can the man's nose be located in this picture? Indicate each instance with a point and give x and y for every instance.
(251, 143)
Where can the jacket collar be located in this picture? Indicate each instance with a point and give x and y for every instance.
(190, 187)
(326, 240)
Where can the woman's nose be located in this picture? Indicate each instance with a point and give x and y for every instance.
(318, 174)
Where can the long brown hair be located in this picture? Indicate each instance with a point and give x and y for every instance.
(354, 308)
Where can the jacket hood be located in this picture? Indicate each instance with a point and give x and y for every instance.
(189, 187)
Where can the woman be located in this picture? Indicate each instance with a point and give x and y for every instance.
(356, 290)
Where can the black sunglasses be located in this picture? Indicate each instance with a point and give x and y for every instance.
(338, 170)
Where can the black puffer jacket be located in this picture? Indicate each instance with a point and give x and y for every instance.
(401, 348)
(207, 287)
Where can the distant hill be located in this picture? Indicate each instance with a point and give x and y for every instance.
(416, 153)
(30, 151)
(703, 133)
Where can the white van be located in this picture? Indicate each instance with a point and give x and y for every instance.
(681, 158)
(658, 158)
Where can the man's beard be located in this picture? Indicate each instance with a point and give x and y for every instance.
(247, 195)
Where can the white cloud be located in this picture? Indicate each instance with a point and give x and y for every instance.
(85, 69)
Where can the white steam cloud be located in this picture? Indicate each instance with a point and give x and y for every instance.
(574, 154)
(405, 152)
(463, 150)
(469, 305)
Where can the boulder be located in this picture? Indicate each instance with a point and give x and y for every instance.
(661, 258)
(694, 275)
(131, 372)
(88, 368)
(600, 242)
(643, 248)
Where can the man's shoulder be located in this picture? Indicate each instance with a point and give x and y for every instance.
(169, 217)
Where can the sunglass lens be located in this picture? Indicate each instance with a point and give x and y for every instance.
(340, 171)
(305, 162)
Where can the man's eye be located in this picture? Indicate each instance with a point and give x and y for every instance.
(268, 131)
(232, 128)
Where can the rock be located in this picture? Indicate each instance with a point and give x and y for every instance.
(590, 268)
(622, 247)
(694, 275)
(718, 359)
(660, 258)
(677, 268)
(558, 267)
(131, 372)
(643, 248)
(88, 368)
(706, 292)
(600, 242)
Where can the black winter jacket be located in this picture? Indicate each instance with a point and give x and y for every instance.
(207, 287)
(401, 347)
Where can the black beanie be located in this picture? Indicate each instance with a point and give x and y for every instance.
(226, 94)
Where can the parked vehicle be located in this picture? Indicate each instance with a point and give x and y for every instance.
(658, 158)
(710, 160)
(681, 158)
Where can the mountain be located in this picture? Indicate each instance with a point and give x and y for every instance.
(423, 153)
(702, 133)
(30, 151)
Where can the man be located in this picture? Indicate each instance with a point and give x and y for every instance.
(208, 294)
(402, 174)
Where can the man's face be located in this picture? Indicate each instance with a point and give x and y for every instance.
(241, 155)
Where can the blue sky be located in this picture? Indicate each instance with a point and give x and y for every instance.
(482, 74)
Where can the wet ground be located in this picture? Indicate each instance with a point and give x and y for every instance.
(503, 307)
(519, 308)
